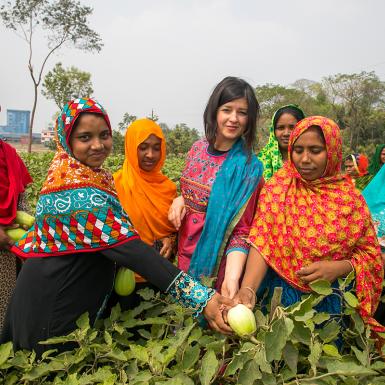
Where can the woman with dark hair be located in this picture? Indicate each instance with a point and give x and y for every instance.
(312, 224)
(220, 186)
(377, 160)
(81, 233)
(14, 177)
(274, 154)
(356, 167)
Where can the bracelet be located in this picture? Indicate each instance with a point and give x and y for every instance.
(351, 265)
(249, 288)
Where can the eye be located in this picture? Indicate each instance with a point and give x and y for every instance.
(84, 138)
(298, 150)
(105, 135)
(243, 113)
(142, 147)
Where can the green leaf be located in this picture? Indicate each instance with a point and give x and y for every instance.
(321, 286)
(236, 364)
(249, 373)
(5, 352)
(301, 333)
(331, 350)
(330, 332)
(139, 352)
(314, 356)
(209, 367)
(191, 356)
(260, 318)
(362, 357)
(351, 299)
(349, 369)
(276, 339)
(147, 294)
(275, 300)
(290, 355)
(319, 318)
(107, 338)
(358, 322)
(83, 321)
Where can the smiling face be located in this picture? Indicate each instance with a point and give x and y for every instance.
(309, 154)
(149, 153)
(91, 140)
(382, 156)
(285, 125)
(231, 123)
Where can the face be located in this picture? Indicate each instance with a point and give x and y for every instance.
(91, 141)
(149, 153)
(285, 125)
(309, 155)
(350, 169)
(382, 156)
(231, 121)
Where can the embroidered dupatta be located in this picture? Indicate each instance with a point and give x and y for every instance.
(78, 209)
(299, 222)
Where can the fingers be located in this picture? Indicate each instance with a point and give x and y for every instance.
(311, 277)
(307, 270)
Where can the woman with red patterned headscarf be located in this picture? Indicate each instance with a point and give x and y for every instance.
(14, 177)
(311, 224)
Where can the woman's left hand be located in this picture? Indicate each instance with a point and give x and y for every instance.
(327, 270)
(230, 287)
(214, 310)
(167, 246)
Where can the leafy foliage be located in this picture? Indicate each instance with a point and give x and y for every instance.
(159, 343)
(62, 84)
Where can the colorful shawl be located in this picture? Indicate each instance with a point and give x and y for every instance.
(374, 195)
(270, 155)
(14, 177)
(233, 186)
(375, 163)
(78, 209)
(145, 195)
(299, 222)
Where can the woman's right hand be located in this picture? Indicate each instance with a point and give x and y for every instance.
(5, 242)
(215, 311)
(177, 212)
(246, 297)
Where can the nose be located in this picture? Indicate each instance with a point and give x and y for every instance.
(287, 132)
(97, 145)
(149, 153)
(233, 116)
(305, 157)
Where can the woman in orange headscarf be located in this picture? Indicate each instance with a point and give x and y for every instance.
(144, 192)
(311, 223)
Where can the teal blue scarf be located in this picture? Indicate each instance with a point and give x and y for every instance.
(233, 186)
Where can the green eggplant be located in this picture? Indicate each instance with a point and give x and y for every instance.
(124, 282)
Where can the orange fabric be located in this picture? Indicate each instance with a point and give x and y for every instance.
(145, 195)
(299, 222)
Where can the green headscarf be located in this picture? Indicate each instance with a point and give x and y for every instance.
(375, 164)
(270, 155)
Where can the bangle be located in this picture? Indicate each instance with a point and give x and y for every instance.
(351, 264)
(249, 288)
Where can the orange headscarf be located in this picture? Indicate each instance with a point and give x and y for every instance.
(299, 222)
(146, 196)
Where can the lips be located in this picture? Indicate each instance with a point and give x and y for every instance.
(306, 170)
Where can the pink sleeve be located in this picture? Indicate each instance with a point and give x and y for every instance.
(237, 240)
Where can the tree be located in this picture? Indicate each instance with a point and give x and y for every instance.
(358, 101)
(153, 116)
(126, 121)
(180, 139)
(64, 21)
(62, 85)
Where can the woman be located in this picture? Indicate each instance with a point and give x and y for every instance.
(377, 160)
(356, 167)
(220, 186)
(14, 178)
(274, 154)
(144, 192)
(312, 224)
(81, 232)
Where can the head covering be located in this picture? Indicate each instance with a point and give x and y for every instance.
(299, 222)
(374, 195)
(360, 163)
(270, 155)
(14, 177)
(145, 195)
(78, 209)
(233, 186)
(375, 163)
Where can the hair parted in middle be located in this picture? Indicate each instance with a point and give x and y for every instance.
(231, 88)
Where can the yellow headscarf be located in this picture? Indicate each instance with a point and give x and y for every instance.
(145, 195)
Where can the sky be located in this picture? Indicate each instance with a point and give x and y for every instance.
(168, 55)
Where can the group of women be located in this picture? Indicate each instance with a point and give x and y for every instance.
(286, 217)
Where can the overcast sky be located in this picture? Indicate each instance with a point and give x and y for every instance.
(167, 55)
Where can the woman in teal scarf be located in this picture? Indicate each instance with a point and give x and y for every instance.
(274, 154)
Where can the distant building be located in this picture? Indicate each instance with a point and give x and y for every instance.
(48, 135)
(17, 121)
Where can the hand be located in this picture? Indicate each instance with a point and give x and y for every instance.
(6, 242)
(327, 270)
(213, 313)
(230, 287)
(167, 246)
(246, 297)
(177, 212)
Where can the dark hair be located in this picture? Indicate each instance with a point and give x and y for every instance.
(231, 88)
(319, 132)
(296, 112)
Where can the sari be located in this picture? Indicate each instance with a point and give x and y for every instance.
(146, 196)
(299, 222)
(270, 155)
(78, 209)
